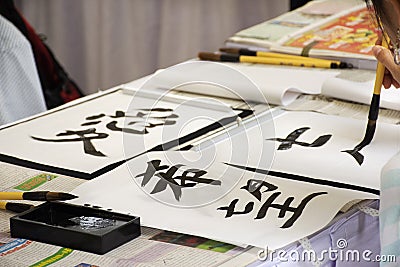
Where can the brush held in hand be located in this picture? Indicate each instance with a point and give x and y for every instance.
(374, 107)
(373, 113)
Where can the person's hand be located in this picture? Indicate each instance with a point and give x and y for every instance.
(392, 71)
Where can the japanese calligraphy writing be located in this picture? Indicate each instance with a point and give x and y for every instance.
(254, 187)
(290, 140)
(86, 136)
(138, 123)
(188, 177)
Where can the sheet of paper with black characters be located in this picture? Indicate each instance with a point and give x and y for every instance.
(236, 190)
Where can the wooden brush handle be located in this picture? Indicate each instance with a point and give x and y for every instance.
(380, 72)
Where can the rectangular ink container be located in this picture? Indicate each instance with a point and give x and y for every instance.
(67, 225)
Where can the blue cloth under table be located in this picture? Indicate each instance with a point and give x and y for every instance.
(351, 240)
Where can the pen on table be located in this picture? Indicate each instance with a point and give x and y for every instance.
(36, 196)
(266, 60)
(15, 207)
(248, 52)
(374, 107)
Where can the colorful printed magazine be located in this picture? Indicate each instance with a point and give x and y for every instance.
(347, 35)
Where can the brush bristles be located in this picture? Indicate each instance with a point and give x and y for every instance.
(230, 50)
(50, 196)
(209, 56)
(18, 207)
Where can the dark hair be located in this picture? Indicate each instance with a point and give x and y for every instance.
(376, 7)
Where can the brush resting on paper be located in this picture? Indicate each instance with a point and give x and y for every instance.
(282, 60)
(36, 196)
(15, 207)
(247, 52)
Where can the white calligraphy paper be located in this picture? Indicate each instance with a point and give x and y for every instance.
(121, 191)
(253, 193)
(89, 136)
(278, 85)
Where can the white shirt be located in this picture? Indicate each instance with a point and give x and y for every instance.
(20, 90)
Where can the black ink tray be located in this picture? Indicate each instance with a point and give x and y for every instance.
(76, 227)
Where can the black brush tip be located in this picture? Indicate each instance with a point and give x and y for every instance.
(59, 196)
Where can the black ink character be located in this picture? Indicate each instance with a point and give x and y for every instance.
(143, 120)
(254, 187)
(85, 136)
(188, 178)
(285, 207)
(230, 210)
(292, 137)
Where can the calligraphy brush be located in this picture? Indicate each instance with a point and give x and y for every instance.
(248, 52)
(15, 207)
(36, 196)
(313, 63)
(373, 112)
